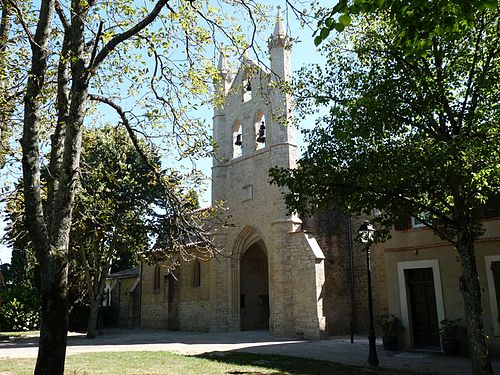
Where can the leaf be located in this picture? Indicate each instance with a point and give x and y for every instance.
(491, 4)
(325, 31)
(345, 20)
(339, 27)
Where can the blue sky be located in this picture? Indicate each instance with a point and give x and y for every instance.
(303, 53)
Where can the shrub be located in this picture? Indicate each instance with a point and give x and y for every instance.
(390, 325)
(16, 316)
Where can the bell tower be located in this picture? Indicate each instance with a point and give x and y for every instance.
(253, 131)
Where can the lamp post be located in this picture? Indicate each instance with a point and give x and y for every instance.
(366, 231)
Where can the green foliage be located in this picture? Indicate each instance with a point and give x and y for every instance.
(15, 316)
(450, 329)
(407, 132)
(424, 19)
(20, 310)
(413, 126)
(390, 325)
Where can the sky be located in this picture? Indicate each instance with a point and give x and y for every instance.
(303, 53)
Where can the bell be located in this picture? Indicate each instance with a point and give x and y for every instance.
(262, 133)
(238, 140)
(248, 87)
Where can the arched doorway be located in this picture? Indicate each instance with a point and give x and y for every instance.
(254, 288)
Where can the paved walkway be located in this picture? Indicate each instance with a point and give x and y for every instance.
(338, 349)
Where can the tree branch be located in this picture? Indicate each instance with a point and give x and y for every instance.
(20, 17)
(111, 45)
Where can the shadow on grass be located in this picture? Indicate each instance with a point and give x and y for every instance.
(284, 365)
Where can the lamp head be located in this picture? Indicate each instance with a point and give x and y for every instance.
(366, 232)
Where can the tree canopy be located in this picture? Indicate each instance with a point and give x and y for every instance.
(150, 62)
(412, 127)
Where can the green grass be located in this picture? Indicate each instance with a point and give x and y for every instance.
(21, 334)
(164, 363)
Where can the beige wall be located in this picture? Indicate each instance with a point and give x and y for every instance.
(187, 306)
(122, 300)
(417, 245)
(257, 209)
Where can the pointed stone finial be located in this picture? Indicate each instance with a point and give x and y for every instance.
(279, 37)
(279, 28)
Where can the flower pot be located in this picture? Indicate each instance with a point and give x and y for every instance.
(390, 342)
(451, 346)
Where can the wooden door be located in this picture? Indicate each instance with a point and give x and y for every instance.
(424, 320)
(254, 290)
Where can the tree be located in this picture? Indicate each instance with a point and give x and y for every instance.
(115, 221)
(93, 51)
(114, 206)
(412, 128)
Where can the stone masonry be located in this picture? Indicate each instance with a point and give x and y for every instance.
(271, 274)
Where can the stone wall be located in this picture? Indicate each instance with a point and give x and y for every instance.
(345, 292)
(154, 303)
(122, 301)
(175, 302)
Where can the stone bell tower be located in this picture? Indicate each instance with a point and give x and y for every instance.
(273, 273)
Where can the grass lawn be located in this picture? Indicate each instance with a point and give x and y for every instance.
(164, 363)
(21, 334)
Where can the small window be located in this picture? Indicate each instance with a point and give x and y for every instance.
(156, 281)
(416, 223)
(197, 274)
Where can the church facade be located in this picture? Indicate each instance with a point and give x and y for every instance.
(272, 272)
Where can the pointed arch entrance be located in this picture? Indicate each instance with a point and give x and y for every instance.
(254, 288)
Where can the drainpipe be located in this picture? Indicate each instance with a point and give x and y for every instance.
(354, 323)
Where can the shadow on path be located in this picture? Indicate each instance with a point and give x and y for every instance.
(336, 349)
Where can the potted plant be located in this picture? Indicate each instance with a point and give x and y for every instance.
(391, 328)
(449, 332)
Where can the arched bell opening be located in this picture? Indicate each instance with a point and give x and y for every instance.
(260, 131)
(254, 288)
(237, 140)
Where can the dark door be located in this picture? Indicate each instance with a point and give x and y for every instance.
(424, 320)
(254, 290)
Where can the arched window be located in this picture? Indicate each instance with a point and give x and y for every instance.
(237, 139)
(260, 131)
(196, 274)
(247, 87)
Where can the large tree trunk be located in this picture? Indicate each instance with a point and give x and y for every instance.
(471, 292)
(93, 316)
(53, 263)
(54, 324)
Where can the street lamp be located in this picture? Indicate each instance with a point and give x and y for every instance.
(366, 232)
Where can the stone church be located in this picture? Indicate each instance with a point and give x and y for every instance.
(295, 278)
(298, 278)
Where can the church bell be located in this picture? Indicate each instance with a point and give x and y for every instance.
(262, 133)
(238, 140)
